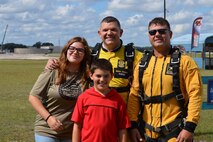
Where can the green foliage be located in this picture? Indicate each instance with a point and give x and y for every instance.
(17, 116)
(12, 46)
(47, 44)
(39, 44)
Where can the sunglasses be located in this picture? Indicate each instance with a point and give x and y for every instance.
(79, 50)
(160, 31)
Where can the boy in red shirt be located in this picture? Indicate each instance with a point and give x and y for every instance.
(100, 113)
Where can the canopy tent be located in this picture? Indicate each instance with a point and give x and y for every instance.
(205, 46)
(185, 40)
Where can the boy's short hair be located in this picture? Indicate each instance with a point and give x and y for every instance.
(102, 64)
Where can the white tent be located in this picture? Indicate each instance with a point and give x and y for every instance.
(185, 40)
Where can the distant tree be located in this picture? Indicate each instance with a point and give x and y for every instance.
(37, 44)
(47, 44)
(11, 46)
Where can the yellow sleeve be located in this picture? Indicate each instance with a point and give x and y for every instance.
(192, 88)
(133, 102)
(138, 56)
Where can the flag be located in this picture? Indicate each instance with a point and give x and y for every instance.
(196, 32)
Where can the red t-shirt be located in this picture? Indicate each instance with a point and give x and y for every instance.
(101, 116)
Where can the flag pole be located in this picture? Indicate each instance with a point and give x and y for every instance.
(164, 9)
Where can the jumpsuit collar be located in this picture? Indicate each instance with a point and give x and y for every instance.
(115, 50)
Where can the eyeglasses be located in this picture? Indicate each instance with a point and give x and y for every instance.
(79, 50)
(160, 31)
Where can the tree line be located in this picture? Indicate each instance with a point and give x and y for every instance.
(11, 46)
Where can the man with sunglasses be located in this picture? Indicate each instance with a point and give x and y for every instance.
(158, 110)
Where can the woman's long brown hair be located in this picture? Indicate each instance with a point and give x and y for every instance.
(63, 63)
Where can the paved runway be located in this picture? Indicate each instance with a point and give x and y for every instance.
(24, 56)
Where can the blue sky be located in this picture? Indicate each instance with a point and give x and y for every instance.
(56, 21)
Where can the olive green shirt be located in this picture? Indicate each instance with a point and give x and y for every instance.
(59, 100)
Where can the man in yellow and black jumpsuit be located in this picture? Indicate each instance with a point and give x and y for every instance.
(157, 80)
(112, 49)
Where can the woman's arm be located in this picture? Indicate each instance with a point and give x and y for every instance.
(53, 123)
(38, 107)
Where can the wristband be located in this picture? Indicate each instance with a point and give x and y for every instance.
(48, 117)
(190, 126)
(134, 124)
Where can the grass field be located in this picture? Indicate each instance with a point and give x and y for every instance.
(17, 116)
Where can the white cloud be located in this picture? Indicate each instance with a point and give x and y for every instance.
(181, 16)
(106, 13)
(206, 2)
(180, 28)
(21, 6)
(121, 4)
(189, 2)
(64, 10)
(134, 20)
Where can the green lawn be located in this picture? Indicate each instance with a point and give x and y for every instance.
(17, 116)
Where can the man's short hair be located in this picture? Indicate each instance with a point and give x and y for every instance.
(160, 21)
(110, 19)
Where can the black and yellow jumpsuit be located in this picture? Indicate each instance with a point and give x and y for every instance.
(158, 80)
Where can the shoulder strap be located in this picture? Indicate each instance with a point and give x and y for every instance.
(95, 51)
(142, 66)
(129, 53)
(175, 64)
(94, 56)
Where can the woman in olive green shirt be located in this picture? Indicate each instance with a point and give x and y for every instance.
(55, 92)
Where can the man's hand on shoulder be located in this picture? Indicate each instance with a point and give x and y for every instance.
(52, 64)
